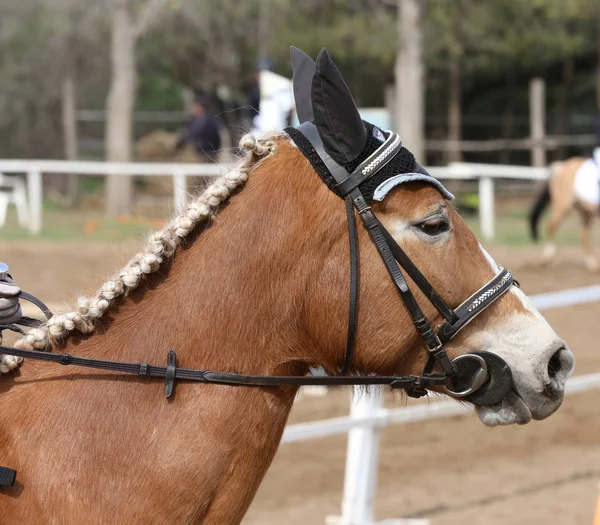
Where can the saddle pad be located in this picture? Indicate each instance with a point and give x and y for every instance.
(587, 182)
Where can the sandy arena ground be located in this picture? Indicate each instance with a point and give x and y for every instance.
(451, 470)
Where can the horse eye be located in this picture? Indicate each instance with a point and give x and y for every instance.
(434, 226)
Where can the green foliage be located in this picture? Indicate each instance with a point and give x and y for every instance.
(209, 43)
(499, 35)
(158, 92)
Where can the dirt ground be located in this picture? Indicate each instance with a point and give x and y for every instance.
(450, 470)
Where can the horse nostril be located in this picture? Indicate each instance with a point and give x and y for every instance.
(555, 364)
(559, 368)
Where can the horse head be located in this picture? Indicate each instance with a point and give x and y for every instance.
(415, 210)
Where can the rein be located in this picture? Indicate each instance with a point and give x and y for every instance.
(170, 372)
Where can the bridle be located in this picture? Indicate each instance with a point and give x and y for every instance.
(395, 259)
(480, 377)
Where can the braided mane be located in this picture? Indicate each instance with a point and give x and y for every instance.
(161, 247)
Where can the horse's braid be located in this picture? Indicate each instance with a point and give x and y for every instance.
(161, 247)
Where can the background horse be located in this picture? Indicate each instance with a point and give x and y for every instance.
(261, 290)
(573, 184)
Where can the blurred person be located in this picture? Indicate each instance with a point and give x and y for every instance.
(254, 95)
(203, 129)
(276, 106)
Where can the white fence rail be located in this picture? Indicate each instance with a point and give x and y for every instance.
(485, 173)
(368, 416)
(34, 170)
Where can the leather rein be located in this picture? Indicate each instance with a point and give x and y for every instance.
(472, 371)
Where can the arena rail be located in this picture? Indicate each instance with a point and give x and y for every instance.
(485, 173)
(35, 168)
(368, 416)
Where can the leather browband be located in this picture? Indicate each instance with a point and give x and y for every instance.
(371, 165)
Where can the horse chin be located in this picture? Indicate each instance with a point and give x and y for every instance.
(511, 410)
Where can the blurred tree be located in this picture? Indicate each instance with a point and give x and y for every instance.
(127, 29)
(479, 56)
(35, 56)
(410, 71)
(43, 49)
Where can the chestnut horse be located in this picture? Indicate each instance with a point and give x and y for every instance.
(565, 192)
(262, 289)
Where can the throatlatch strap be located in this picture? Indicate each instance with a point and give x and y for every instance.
(8, 477)
(353, 309)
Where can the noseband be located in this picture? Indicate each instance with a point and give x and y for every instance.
(480, 377)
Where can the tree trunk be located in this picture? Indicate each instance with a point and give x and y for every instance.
(389, 96)
(69, 120)
(537, 120)
(508, 116)
(598, 63)
(455, 112)
(263, 32)
(187, 99)
(565, 95)
(410, 86)
(120, 106)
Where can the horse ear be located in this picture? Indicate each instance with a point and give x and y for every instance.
(303, 68)
(336, 116)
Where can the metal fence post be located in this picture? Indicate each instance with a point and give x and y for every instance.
(179, 191)
(486, 207)
(34, 189)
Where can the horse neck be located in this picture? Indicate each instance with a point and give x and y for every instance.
(232, 300)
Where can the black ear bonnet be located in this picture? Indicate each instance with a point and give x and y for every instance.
(403, 162)
(322, 97)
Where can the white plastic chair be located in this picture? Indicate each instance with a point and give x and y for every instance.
(13, 191)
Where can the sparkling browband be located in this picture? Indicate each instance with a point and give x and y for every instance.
(380, 157)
